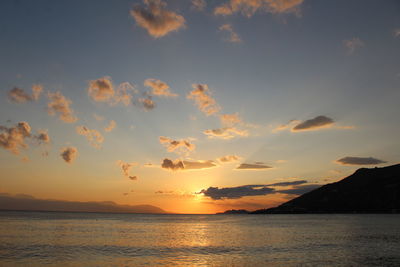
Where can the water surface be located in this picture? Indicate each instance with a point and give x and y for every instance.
(93, 239)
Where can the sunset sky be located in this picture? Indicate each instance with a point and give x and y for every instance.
(195, 106)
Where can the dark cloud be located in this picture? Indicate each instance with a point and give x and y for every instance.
(315, 123)
(300, 189)
(156, 19)
(101, 90)
(42, 137)
(147, 103)
(253, 166)
(359, 161)
(174, 166)
(69, 154)
(237, 192)
(295, 188)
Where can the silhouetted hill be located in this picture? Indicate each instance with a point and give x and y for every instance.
(374, 190)
(29, 203)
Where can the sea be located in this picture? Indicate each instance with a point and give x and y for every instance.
(99, 239)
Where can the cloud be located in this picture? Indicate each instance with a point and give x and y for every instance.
(201, 164)
(199, 5)
(126, 168)
(98, 117)
(60, 105)
(313, 124)
(37, 90)
(171, 165)
(233, 36)
(225, 133)
(201, 95)
(296, 188)
(230, 119)
(101, 90)
(124, 94)
(216, 193)
(156, 19)
(18, 95)
(286, 126)
(359, 161)
(396, 33)
(13, 138)
(42, 137)
(228, 159)
(187, 165)
(159, 88)
(69, 154)
(253, 166)
(110, 126)
(147, 103)
(93, 136)
(173, 145)
(299, 182)
(353, 44)
(249, 7)
(300, 189)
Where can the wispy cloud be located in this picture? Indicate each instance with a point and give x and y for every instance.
(228, 159)
(159, 88)
(94, 137)
(233, 37)
(156, 19)
(199, 5)
(60, 105)
(353, 44)
(18, 95)
(126, 168)
(111, 126)
(69, 154)
(230, 119)
(225, 133)
(253, 166)
(204, 101)
(396, 33)
(147, 102)
(177, 145)
(249, 7)
(359, 161)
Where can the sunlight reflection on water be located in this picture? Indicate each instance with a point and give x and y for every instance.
(90, 239)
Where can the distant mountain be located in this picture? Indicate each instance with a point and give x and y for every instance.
(29, 203)
(374, 190)
(234, 212)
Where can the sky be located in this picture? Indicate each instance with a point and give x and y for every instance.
(195, 106)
